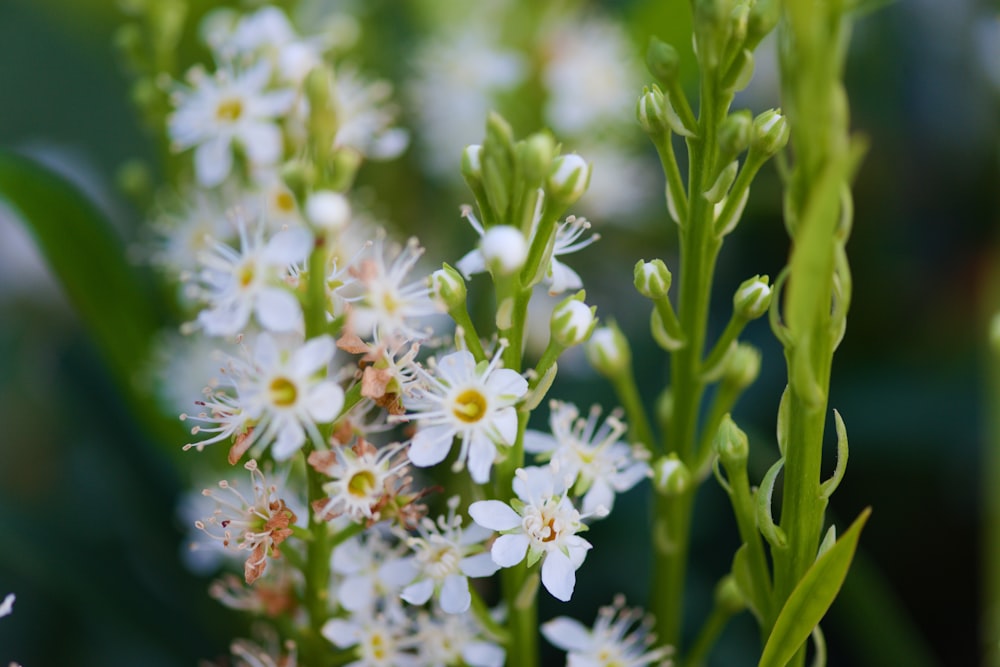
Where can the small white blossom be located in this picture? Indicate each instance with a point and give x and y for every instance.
(472, 401)
(541, 524)
(228, 108)
(372, 570)
(593, 457)
(252, 280)
(446, 555)
(378, 641)
(365, 116)
(364, 480)
(453, 640)
(620, 638)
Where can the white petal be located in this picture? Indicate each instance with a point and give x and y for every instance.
(398, 572)
(507, 383)
(456, 367)
(535, 482)
(389, 144)
(349, 557)
(418, 593)
(471, 263)
(558, 575)
(509, 550)
(480, 565)
(291, 437)
(289, 246)
(563, 278)
(568, 634)
(7, 606)
(225, 320)
(314, 354)
(262, 142)
(505, 425)
(536, 442)
(455, 596)
(600, 494)
(474, 533)
(341, 633)
(278, 310)
(324, 401)
(356, 593)
(213, 160)
(430, 445)
(483, 654)
(494, 514)
(481, 455)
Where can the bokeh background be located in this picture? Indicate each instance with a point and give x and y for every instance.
(89, 537)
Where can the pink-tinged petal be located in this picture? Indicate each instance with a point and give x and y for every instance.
(314, 354)
(480, 565)
(262, 142)
(494, 515)
(482, 452)
(558, 575)
(536, 442)
(509, 550)
(455, 596)
(568, 634)
(213, 160)
(418, 593)
(471, 263)
(505, 424)
(278, 310)
(356, 593)
(430, 445)
(290, 439)
(341, 633)
(289, 246)
(324, 401)
(507, 383)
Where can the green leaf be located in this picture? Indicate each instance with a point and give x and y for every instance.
(114, 299)
(811, 599)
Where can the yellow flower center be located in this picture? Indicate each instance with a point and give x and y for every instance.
(284, 202)
(246, 274)
(229, 110)
(361, 483)
(283, 392)
(470, 406)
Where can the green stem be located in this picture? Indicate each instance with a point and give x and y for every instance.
(628, 395)
(707, 636)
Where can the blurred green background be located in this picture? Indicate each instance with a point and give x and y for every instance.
(90, 539)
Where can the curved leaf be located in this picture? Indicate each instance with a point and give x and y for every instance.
(811, 599)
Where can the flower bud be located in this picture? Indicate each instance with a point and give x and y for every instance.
(568, 178)
(670, 476)
(536, 154)
(731, 444)
(504, 249)
(753, 298)
(763, 18)
(572, 322)
(652, 279)
(742, 366)
(728, 595)
(662, 61)
(770, 132)
(328, 210)
(649, 111)
(734, 134)
(472, 168)
(608, 351)
(448, 287)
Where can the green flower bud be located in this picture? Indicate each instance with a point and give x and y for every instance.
(670, 476)
(608, 351)
(536, 153)
(742, 366)
(299, 176)
(448, 287)
(731, 444)
(763, 18)
(734, 134)
(662, 61)
(572, 322)
(770, 132)
(652, 279)
(649, 111)
(472, 168)
(752, 298)
(728, 595)
(568, 178)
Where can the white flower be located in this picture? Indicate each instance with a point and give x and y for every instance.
(229, 107)
(251, 280)
(280, 397)
(378, 642)
(446, 556)
(365, 117)
(257, 525)
(363, 480)
(599, 464)
(7, 606)
(268, 33)
(373, 571)
(610, 644)
(387, 307)
(544, 525)
(454, 639)
(472, 401)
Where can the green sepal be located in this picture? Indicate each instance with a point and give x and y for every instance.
(811, 598)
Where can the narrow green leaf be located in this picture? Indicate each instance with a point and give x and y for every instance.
(114, 299)
(811, 599)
